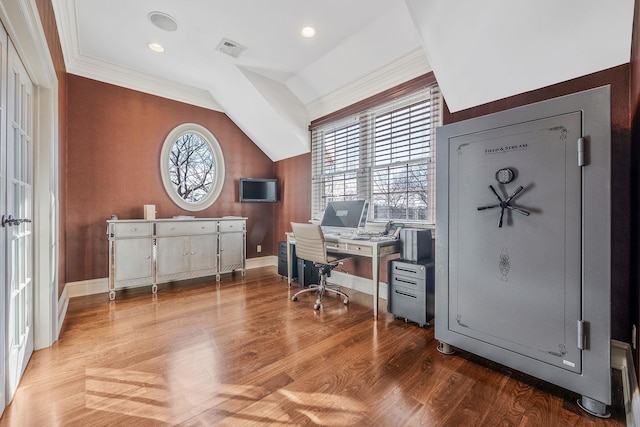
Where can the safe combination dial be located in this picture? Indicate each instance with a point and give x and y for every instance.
(505, 176)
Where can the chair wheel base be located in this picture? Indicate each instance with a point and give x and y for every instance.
(294, 298)
(346, 301)
(316, 306)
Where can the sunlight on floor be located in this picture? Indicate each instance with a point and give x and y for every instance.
(146, 395)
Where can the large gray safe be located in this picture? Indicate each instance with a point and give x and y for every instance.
(523, 241)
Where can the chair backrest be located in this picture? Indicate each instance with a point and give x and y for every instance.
(309, 242)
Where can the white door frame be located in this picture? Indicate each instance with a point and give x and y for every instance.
(22, 22)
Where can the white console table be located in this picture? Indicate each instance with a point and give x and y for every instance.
(148, 252)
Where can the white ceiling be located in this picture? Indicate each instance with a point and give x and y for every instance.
(479, 52)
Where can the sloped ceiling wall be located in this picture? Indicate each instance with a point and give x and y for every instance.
(485, 51)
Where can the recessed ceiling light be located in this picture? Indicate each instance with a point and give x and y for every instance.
(163, 21)
(156, 47)
(308, 32)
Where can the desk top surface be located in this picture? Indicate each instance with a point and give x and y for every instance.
(361, 242)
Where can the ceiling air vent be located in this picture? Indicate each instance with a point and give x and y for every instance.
(230, 47)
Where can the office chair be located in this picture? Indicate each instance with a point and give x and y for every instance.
(310, 246)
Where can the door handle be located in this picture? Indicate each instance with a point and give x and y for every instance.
(9, 221)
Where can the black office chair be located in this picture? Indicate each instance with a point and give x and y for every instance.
(310, 246)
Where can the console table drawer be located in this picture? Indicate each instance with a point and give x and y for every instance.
(185, 228)
(132, 229)
(230, 226)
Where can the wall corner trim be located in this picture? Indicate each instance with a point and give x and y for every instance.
(622, 359)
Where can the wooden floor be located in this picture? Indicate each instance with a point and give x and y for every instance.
(242, 353)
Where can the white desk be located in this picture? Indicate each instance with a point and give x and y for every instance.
(374, 249)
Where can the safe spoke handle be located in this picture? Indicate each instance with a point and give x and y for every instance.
(481, 208)
(519, 210)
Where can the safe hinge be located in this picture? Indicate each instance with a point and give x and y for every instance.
(581, 152)
(582, 335)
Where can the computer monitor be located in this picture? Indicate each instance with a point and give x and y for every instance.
(345, 213)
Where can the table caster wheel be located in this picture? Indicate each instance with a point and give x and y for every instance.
(112, 295)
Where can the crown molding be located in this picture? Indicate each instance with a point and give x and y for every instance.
(107, 72)
(408, 67)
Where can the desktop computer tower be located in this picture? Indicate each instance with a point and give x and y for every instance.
(282, 261)
(416, 244)
(307, 273)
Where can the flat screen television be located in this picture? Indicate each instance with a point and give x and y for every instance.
(258, 190)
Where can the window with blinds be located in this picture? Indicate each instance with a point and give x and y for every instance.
(385, 154)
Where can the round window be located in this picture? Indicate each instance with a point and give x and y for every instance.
(192, 167)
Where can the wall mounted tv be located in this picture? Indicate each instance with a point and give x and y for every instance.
(258, 190)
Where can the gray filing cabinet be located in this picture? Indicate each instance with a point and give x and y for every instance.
(411, 291)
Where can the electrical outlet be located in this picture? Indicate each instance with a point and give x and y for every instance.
(259, 248)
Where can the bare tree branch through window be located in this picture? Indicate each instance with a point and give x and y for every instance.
(191, 167)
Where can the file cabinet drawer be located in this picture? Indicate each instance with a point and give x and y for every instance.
(408, 303)
(409, 270)
(410, 283)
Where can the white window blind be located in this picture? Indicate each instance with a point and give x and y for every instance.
(385, 154)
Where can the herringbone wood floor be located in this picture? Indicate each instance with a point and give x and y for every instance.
(242, 353)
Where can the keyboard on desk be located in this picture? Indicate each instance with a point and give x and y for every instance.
(333, 235)
(348, 236)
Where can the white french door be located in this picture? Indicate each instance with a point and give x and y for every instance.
(17, 225)
(3, 234)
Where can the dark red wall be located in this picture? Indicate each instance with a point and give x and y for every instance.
(294, 176)
(115, 137)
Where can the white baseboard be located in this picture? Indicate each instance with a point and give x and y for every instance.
(622, 359)
(265, 261)
(63, 304)
(357, 283)
(87, 287)
(100, 286)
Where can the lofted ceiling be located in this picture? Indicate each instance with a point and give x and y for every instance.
(479, 52)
